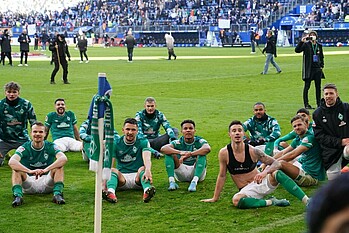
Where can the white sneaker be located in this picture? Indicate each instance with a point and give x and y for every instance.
(87, 61)
(20, 64)
(80, 61)
(25, 64)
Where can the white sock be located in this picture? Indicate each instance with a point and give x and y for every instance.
(195, 179)
(305, 199)
(111, 190)
(268, 202)
(171, 179)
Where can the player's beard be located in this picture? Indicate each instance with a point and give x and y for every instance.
(61, 111)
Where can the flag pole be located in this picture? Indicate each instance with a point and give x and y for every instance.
(98, 184)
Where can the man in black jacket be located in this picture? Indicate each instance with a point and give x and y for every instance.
(5, 41)
(331, 129)
(313, 63)
(24, 41)
(82, 44)
(131, 43)
(60, 50)
(270, 50)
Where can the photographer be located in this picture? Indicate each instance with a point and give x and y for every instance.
(313, 63)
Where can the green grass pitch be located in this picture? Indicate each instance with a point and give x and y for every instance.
(212, 86)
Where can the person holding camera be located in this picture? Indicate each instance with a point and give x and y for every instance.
(263, 129)
(313, 64)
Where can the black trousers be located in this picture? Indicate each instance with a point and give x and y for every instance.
(8, 55)
(316, 75)
(130, 53)
(157, 143)
(83, 52)
(25, 55)
(64, 65)
(171, 53)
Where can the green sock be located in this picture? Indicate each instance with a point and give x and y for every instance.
(145, 183)
(200, 165)
(113, 182)
(17, 190)
(249, 203)
(169, 162)
(289, 185)
(58, 188)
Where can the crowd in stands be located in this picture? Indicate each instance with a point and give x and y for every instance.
(325, 13)
(110, 13)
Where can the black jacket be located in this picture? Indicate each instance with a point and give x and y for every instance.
(5, 41)
(62, 49)
(24, 41)
(82, 43)
(270, 46)
(307, 50)
(331, 125)
(130, 41)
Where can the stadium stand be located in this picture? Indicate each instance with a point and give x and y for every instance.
(114, 17)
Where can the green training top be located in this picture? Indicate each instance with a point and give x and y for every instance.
(14, 120)
(61, 126)
(150, 127)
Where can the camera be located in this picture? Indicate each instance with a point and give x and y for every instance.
(311, 38)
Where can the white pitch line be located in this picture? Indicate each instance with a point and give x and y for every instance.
(41, 58)
(278, 223)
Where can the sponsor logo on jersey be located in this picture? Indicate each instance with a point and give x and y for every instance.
(39, 164)
(63, 125)
(128, 158)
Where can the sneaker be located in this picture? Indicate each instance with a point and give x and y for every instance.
(87, 61)
(52, 82)
(192, 187)
(25, 64)
(58, 199)
(17, 201)
(281, 202)
(262, 73)
(20, 65)
(149, 194)
(80, 61)
(109, 196)
(173, 186)
(279, 71)
(175, 57)
(66, 82)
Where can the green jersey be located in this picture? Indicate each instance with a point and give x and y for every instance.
(129, 156)
(149, 126)
(33, 158)
(61, 126)
(267, 128)
(181, 145)
(291, 135)
(311, 159)
(14, 120)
